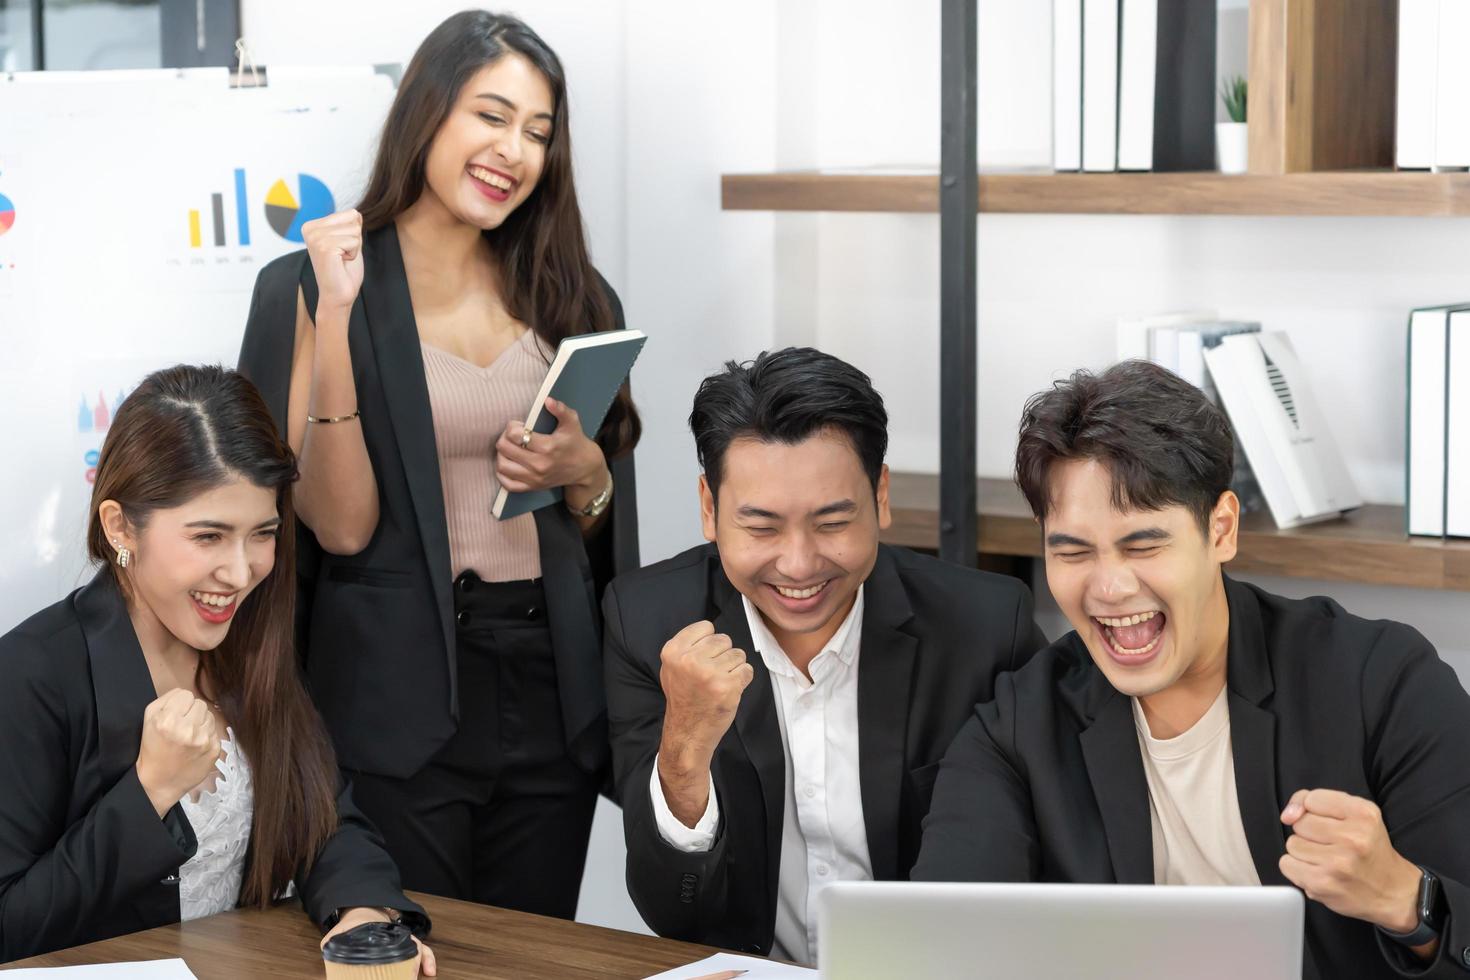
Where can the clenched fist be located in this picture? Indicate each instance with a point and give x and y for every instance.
(703, 677)
(180, 746)
(1340, 854)
(334, 245)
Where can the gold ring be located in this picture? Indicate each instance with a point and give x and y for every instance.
(526, 438)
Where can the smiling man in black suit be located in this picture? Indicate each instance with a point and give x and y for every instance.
(1198, 730)
(780, 697)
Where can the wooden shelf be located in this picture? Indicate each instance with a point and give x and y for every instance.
(1365, 192)
(1367, 546)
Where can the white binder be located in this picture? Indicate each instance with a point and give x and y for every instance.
(1266, 392)
(1100, 85)
(1066, 73)
(1457, 427)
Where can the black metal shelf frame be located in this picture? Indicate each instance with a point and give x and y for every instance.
(959, 203)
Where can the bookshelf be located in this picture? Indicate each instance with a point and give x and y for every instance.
(1322, 194)
(1321, 138)
(1367, 546)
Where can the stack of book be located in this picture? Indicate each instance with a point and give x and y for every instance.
(1438, 490)
(1433, 117)
(1286, 458)
(1265, 390)
(1133, 84)
(1178, 341)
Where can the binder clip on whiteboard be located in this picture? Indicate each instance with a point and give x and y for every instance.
(244, 60)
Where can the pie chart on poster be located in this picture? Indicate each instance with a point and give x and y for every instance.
(7, 214)
(286, 211)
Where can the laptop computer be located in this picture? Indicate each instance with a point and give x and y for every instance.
(873, 929)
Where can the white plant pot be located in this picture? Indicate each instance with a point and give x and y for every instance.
(1231, 147)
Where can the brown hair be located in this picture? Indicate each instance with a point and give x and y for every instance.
(1161, 439)
(547, 276)
(182, 432)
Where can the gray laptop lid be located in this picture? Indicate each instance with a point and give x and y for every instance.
(870, 929)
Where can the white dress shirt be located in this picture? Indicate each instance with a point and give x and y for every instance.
(823, 836)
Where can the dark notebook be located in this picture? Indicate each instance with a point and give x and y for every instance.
(586, 374)
(1170, 124)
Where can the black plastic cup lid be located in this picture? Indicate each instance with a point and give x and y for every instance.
(371, 942)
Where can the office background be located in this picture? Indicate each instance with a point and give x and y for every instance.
(667, 95)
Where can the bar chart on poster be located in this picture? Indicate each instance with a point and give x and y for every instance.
(226, 218)
(216, 213)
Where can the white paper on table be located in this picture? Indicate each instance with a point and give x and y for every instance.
(144, 970)
(755, 969)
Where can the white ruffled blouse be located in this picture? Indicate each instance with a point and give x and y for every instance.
(209, 882)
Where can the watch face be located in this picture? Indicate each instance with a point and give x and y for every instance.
(1430, 908)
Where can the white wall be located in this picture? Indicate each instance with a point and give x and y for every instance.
(701, 99)
(1051, 286)
(591, 41)
(700, 95)
(666, 96)
(588, 37)
(663, 97)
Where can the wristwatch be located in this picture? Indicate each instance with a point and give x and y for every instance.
(599, 503)
(1431, 913)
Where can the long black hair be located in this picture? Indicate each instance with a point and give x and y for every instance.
(547, 277)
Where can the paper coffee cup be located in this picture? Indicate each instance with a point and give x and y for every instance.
(372, 951)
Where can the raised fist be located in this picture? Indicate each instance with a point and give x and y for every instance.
(334, 244)
(703, 677)
(179, 748)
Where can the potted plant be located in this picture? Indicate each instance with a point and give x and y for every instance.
(1230, 138)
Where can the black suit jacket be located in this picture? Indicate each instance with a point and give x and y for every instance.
(934, 636)
(1046, 782)
(377, 628)
(83, 855)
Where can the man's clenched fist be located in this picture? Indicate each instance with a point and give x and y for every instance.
(703, 676)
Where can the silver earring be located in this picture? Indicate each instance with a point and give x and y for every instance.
(123, 556)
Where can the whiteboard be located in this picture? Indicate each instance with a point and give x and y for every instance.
(140, 206)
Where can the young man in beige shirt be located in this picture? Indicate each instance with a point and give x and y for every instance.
(1198, 730)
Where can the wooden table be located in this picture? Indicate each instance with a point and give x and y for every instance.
(469, 941)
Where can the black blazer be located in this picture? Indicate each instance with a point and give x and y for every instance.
(934, 637)
(83, 855)
(1046, 782)
(377, 628)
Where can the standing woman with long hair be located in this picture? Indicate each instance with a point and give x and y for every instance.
(161, 759)
(455, 658)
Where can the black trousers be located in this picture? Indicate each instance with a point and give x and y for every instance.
(500, 815)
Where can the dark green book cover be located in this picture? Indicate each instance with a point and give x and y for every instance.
(586, 374)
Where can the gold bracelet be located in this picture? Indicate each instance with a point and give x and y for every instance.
(328, 420)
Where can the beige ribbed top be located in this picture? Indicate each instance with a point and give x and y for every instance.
(471, 407)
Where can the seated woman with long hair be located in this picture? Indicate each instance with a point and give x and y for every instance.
(159, 758)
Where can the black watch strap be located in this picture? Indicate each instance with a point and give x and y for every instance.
(1431, 913)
